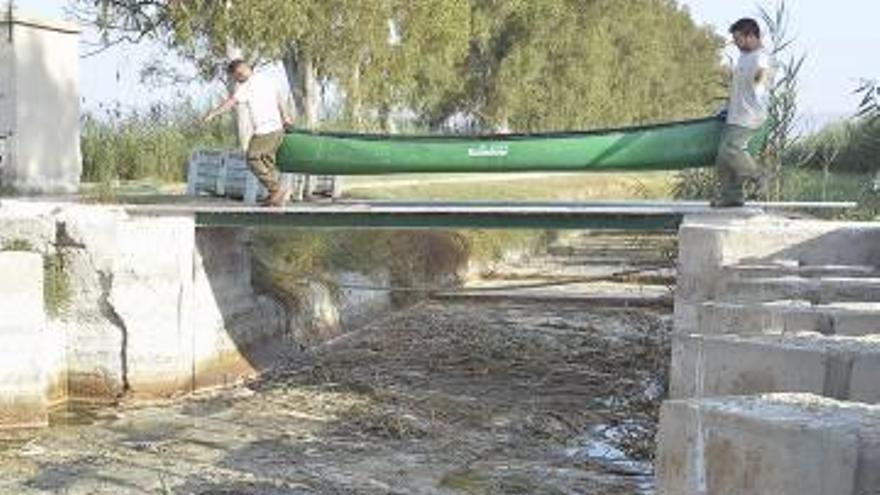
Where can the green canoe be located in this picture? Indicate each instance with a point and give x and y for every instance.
(667, 146)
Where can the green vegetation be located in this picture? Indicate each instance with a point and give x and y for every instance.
(56, 280)
(56, 285)
(153, 145)
(17, 245)
(414, 260)
(581, 187)
(851, 146)
(535, 65)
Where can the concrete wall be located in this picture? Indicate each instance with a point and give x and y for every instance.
(31, 357)
(711, 245)
(39, 80)
(156, 307)
(785, 444)
(768, 305)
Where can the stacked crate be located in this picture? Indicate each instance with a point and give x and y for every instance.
(225, 174)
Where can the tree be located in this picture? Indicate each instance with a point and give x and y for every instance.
(520, 64)
(348, 42)
(570, 64)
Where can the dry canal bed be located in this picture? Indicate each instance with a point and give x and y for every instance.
(488, 396)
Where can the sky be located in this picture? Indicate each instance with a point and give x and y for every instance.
(839, 39)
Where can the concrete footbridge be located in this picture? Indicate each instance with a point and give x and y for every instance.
(628, 215)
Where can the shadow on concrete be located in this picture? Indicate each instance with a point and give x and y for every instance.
(844, 246)
(255, 332)
(48, 107)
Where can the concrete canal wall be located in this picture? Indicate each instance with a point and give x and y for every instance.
(784, 307)
(100, 306)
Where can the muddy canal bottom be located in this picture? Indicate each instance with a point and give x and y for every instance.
(447, 397)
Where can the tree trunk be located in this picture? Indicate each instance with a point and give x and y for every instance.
(355, 96)
(242, 125)
(302, 75)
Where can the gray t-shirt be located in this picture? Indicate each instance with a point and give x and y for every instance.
(749, 101)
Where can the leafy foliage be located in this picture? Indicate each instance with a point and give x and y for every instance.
(870, 105)
(524, 65)
(138, 145)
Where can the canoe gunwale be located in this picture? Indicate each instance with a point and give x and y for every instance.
(506, 137)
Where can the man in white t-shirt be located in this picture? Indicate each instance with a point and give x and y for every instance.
(746, 114)
(261, 98)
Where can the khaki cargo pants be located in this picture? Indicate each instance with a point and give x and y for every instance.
(261, 159)
(734, 164)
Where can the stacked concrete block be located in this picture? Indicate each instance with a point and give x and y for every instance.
(770, 305)
(712, 247)
(845, 368)
(790, 316)
(788, 444)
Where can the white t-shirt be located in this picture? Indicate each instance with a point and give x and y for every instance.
(262, 99)
(749, 101)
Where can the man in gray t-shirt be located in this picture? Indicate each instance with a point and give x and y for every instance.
(746, 113)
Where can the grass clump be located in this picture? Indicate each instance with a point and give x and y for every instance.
(56, 285)
(56, 280)
(153, 144)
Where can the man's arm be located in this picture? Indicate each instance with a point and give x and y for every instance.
(224, 107)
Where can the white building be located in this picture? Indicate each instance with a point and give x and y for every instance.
(39, 105)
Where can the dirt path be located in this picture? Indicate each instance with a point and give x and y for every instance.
(453, 396)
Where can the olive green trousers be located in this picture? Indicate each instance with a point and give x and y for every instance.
(261, 159)
(734, 165)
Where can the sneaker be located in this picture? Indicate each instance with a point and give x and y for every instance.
(278, 199)
(760, 184)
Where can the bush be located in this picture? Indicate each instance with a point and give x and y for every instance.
(154, 144)
(846, 146)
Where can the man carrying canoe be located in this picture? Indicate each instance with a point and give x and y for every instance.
(746, 113)
(266, 110)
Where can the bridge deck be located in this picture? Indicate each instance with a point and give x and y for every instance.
(466, 215)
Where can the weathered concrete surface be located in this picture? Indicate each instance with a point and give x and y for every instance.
(789, 316)
(39, 110)
(155, 308)
(21, 291)
(793, 268)
(844, 368)
(30, 357)
(709, 246)
(822, 290)
(777, 444)
(158, 307)
(238, 329)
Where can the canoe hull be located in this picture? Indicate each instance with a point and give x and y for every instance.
(671, 146)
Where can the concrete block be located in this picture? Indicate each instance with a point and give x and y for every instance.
(786, 444)
(791, 316)
(793, 268)
(236, 332)
(839, 367)
(708, 245)
(94, 361)
(152, 296)
(21, 291)
(30, 364)
(816, 290)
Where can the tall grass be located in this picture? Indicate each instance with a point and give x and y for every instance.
(846, 146)
(154, 144)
